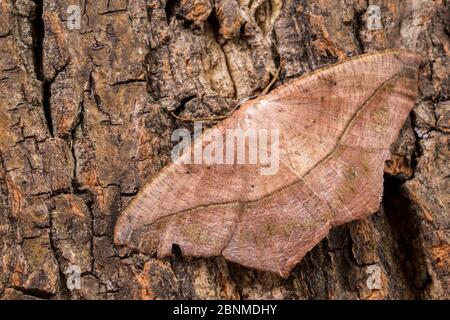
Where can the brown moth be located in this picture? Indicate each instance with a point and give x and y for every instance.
(335, 129)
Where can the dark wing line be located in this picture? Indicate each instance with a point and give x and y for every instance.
(329, 155)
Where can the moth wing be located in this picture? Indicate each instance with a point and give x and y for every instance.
(345, 116)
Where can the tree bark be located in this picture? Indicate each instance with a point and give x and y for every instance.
(85, 122)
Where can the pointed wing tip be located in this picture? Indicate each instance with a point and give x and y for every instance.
(118, 238)
(120, 232)
(407, 56)
(126, 224)
(285, 273)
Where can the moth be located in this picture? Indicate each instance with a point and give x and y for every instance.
(335, 128)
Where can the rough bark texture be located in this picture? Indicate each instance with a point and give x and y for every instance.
(85, 121)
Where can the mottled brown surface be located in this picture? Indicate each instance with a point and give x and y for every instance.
(85, 122)
(335, 128)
